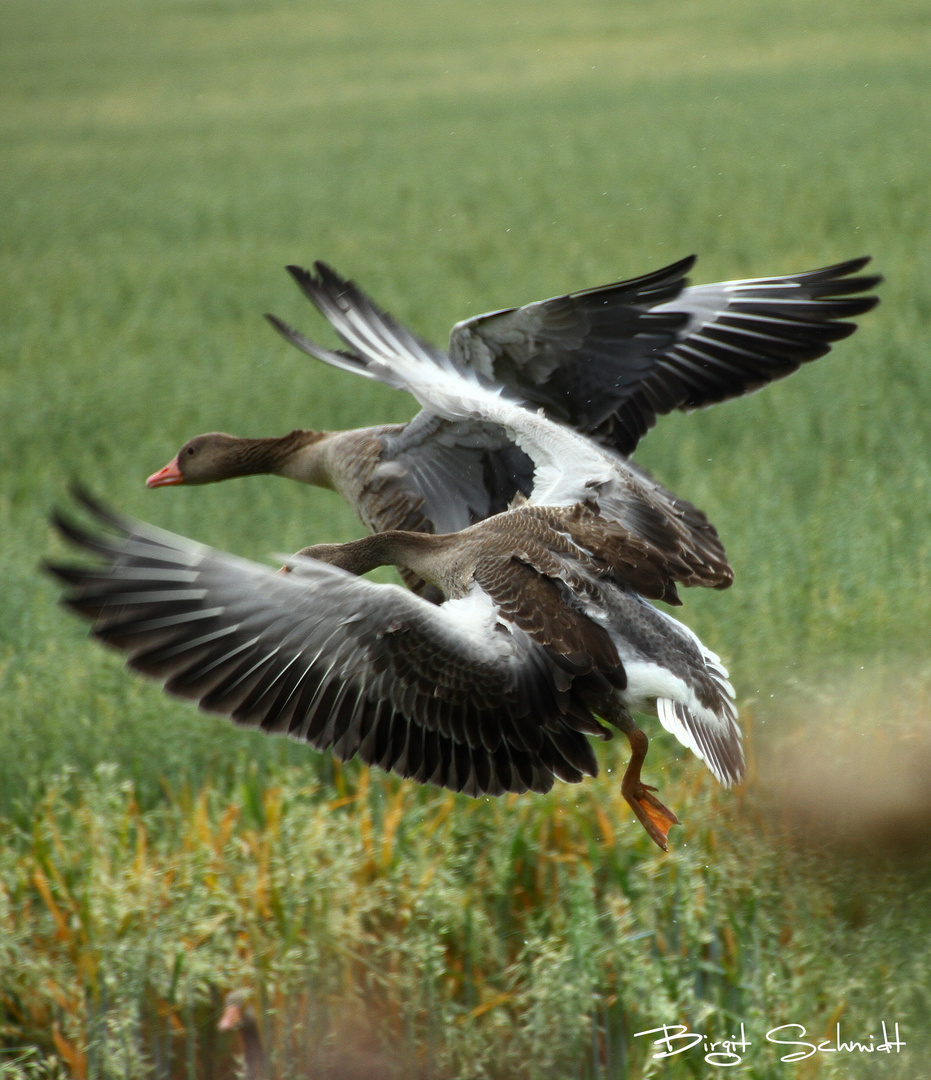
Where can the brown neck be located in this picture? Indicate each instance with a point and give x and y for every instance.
(415, 551)
(274, 455)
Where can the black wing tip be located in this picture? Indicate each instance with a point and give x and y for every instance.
(845, 286)
(292, 336)
(72, 533)
(96, 507)
(851, 266)
(325, 280)
(845, 289)
(843, 273)
(299, 273)
(665, 275)
(309, 285)
(673, 269)
(650, 289)
(63, 572)
(861, 305)
(844, 268)
(328, 289)
(834, 271)
(67, 528)
(78, 535)
(329, 276)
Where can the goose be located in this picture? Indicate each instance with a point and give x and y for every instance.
(423, 476)
(239, 1015)
(587, 462)
(604, 361)
(543, 629)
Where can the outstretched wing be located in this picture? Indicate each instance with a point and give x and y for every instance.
(607, 361)
(438, 694)
(450, 472)
(568, 466)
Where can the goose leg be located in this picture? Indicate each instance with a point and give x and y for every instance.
(656, 818)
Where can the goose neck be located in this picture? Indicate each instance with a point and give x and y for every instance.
(296, 455)
(419, 552)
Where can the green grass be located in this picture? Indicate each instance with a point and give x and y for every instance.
(517, 938)
(164, 161)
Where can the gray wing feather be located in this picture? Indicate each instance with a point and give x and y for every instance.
(608, 361)
(367, 670)
(462, 472)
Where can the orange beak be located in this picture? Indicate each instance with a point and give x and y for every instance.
(231, 1018)
(171, 474)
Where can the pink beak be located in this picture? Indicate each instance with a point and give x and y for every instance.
(171, 474)
(231, 1018)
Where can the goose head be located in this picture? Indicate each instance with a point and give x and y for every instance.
(237, 1011)
(215, 456)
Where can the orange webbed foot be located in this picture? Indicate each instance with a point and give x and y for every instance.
(656, 818)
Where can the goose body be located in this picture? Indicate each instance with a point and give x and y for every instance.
(604, 362)
(425, 475)
(497, 689)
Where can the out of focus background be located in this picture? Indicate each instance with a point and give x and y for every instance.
(163, 161)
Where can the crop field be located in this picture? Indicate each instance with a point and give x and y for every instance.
(163, 161)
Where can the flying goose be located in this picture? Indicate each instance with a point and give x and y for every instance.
(494, 690)
(569, 465)
(605, 361)
(425, 476)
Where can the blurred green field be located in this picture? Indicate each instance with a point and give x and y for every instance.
(164, 161)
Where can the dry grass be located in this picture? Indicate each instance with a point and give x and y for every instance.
(521, 938)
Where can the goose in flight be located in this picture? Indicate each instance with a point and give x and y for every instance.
(496, 689)
(605, 361)
(573, 464)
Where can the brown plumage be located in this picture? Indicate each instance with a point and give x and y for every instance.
(494, 690)
(663, 538)
(605, 361)
(377, 470)
(520, 559)
(343, 461)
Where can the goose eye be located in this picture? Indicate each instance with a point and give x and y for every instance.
(190, 450)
